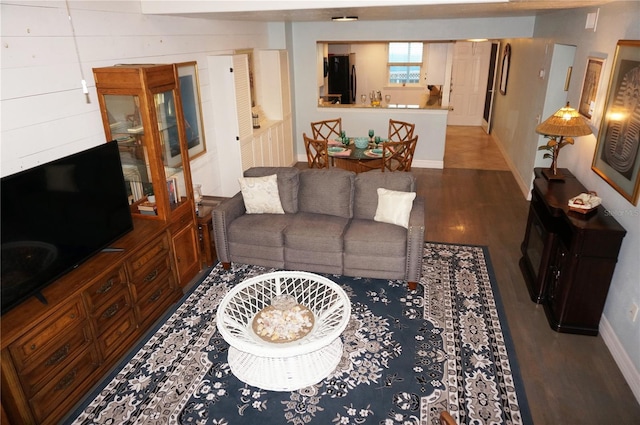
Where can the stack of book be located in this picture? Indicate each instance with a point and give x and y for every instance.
(148, 208)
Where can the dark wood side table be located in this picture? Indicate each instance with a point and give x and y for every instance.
(568, 258)
(205, 228)
(208, 255)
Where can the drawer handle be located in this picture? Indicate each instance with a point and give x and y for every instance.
(148, 278)
(67, 380)
(111, 311)
(156, 295)
(58, 356)
(106, 287)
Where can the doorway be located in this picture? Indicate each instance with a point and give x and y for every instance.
(469, 75)
(491, 84)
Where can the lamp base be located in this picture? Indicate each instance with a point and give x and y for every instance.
(549, 175)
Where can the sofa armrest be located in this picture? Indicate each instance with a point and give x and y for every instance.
(222, 216)
(415, 241)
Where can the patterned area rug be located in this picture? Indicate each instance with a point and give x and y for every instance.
(407, 355)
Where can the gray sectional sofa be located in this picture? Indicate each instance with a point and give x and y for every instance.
(328, 225)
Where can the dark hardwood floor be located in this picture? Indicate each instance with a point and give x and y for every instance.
(568, 379)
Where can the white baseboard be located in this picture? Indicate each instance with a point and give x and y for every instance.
(427, 163)
(628, 369)
(525, 187)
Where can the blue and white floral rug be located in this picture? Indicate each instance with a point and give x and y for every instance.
(407, 356)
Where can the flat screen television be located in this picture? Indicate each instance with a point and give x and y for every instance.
(57, 215)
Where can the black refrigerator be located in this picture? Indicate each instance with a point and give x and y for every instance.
(342, 77)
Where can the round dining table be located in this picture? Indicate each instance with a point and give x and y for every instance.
(355, 159)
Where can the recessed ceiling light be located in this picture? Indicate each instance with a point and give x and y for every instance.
(344, 18)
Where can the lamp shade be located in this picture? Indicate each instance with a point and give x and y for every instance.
(565, 122)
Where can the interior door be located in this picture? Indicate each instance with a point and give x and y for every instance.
(491, 84)
(469, 82)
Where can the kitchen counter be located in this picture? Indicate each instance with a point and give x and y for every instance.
(369, 107)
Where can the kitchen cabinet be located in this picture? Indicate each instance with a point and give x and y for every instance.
(568, 258)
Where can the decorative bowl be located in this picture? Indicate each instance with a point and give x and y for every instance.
(361, 142)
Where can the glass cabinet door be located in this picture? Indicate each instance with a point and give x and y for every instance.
(126, 127)
(171, 152)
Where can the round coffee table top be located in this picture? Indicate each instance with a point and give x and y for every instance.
(326, 300)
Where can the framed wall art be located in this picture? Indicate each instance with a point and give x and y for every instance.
(616, 158)
(190, 95)
(504, 74)
(590, 86)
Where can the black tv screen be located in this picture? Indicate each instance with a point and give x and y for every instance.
(57, 215)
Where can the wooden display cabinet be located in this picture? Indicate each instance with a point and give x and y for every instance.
(142, 110)
(568, 258)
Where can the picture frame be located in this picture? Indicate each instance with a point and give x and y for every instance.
(191, 109)
(590, 84)
(172, 189)
(617, 155)
(506, 64)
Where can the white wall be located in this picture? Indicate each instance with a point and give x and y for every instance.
(303, 56)
(44, 113)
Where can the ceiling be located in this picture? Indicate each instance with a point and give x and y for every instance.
(316, 11)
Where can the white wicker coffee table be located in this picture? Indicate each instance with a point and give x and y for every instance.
(291, 364)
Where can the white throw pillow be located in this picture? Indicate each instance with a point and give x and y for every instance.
(260, 195)
(394, 207)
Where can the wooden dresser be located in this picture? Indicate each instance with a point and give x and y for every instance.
(54, 353)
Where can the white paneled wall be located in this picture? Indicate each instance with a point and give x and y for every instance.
(45, 115)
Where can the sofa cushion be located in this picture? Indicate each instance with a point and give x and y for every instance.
(315, 232)
(260, 195)
(367, 184)
(394, 207)
(288, 183)
(327, 192)
(373, 249)
(370, 238)
(260, 229)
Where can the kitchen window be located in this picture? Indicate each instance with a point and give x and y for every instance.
(405, 63)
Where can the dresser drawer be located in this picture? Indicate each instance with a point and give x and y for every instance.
(139, 265)
(103, 289)
(151, 273)
(182, 219)
(41, 340)
(112, 311)
(117, 333)
(65, 388)
(40, 369)
(153, 303)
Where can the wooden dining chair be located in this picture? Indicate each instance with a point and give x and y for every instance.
(398, 156)
(327, 129)
(400, 131)
(317, 152)
(447, 419)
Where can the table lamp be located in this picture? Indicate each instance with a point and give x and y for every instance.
(560, 128)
